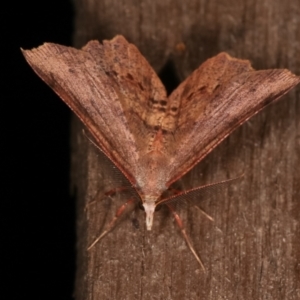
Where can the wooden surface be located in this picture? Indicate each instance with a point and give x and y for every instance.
(252, 250)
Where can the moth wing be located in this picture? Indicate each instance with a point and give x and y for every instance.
(213, 101)
(107, 86)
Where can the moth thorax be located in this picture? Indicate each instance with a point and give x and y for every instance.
(149, 207)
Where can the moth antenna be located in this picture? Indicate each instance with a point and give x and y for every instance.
(184, 194)
(112, 224)
(185, 236)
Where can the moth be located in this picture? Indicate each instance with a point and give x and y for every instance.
(154, 139)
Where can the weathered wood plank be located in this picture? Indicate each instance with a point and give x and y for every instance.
(252, 250)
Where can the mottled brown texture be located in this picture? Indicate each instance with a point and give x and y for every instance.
(155, 140)
(152, 139)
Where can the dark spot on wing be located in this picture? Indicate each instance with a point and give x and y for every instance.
(190, 95)
(216, 87)
(129, 76)
(141, 87)
(202, 88)
(110, 73)
(154, 101)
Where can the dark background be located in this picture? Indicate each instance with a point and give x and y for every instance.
(37, 211)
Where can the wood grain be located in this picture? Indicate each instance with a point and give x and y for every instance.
(251, 251)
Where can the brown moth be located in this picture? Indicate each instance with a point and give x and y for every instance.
(154, 139)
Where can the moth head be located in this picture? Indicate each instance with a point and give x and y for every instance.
(149, 207)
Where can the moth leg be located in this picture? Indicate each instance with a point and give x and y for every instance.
(112, 224)
(109, 194)
(185, 236)
(204, 213)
